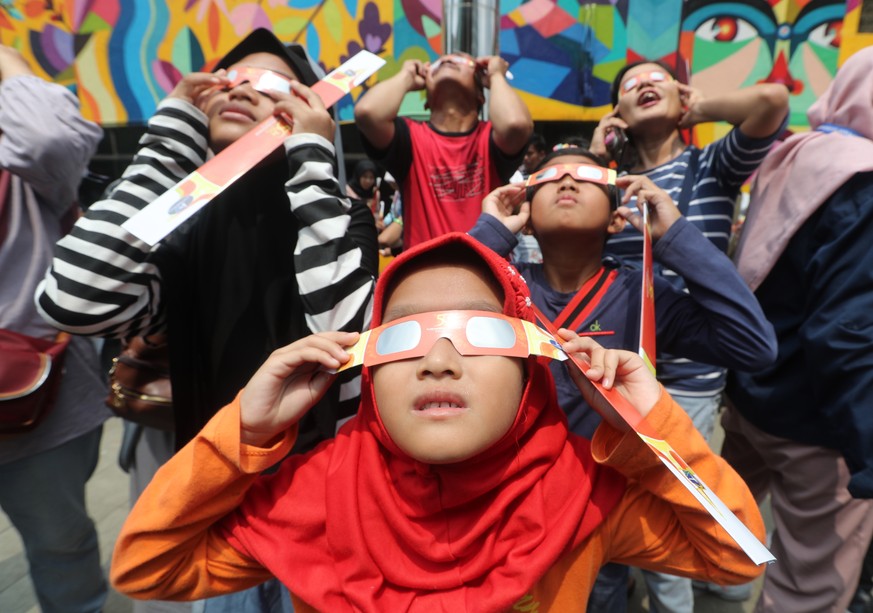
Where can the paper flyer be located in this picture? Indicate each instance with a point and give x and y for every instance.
(167, 212)
(674, 462)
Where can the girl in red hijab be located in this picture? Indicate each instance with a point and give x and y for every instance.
(457, 487)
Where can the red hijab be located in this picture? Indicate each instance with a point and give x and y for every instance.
(358, 525)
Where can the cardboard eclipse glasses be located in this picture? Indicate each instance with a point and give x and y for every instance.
(654, 76)
(470, 332)
(261, 79)
(579, 172)
(460, 60)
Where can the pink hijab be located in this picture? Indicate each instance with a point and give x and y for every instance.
(802, 173)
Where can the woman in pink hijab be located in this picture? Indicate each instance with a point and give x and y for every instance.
(802, 430)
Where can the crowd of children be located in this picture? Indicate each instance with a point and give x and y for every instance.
(463, 466)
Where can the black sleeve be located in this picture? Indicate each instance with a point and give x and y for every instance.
(506, 164)
(397, 157)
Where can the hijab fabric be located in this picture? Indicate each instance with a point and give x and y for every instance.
(355, 183)
(799, 176)
(357, 525)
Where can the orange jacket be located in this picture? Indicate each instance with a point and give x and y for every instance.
(169, 550)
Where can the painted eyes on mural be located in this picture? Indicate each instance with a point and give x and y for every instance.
(725, 29)
(827, 34)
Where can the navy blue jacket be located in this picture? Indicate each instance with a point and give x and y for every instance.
(718, 322)
(819, 297)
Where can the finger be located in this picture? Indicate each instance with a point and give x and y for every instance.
(509, 189)
(632, 218)
(320, 383)
(312, 99)
(296, 359)
(204, 79)
(567, 334)
(330, 343)
(524, 211)
(595, 371)
(630, 191)
(625, 211)
(610, 363)
(575, 344)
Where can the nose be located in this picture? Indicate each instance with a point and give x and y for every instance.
(443, 360)
(567, 183)
(243, 90)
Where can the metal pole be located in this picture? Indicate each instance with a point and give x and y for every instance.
(471, 26)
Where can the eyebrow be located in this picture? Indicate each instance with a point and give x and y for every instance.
(405, 310)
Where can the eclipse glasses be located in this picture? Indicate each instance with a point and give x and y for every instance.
(470, 332)
(579, 172)
(653, 76)
(462, 60)
(261, 79)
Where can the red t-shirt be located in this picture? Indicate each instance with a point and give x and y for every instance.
(443, 176)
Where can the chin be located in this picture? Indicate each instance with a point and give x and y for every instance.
(222, 138)
(437, 453)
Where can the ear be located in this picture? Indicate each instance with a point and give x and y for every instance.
(616, 223)
(529, 229)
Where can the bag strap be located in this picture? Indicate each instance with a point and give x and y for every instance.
(588, 297)
(5, 177)
(688, 182)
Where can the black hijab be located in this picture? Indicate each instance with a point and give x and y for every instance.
(360, 168)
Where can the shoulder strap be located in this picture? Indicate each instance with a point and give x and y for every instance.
(5, 177)
(588, 297)
(688, 183)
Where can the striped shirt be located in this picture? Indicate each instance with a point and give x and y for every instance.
(722, 168)
(103, 281)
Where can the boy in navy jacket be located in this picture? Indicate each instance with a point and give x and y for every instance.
(572, 212)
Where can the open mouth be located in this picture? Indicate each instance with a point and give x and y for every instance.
(440, 405)
(648, 98)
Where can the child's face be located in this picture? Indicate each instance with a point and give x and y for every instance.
(571, 205)
(367, 180)
(233, 113)
(649, 102)
(445, 407)
(458, 68)
(532, 158)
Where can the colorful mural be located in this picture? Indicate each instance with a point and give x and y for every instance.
(123, 56)
(736, 43)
